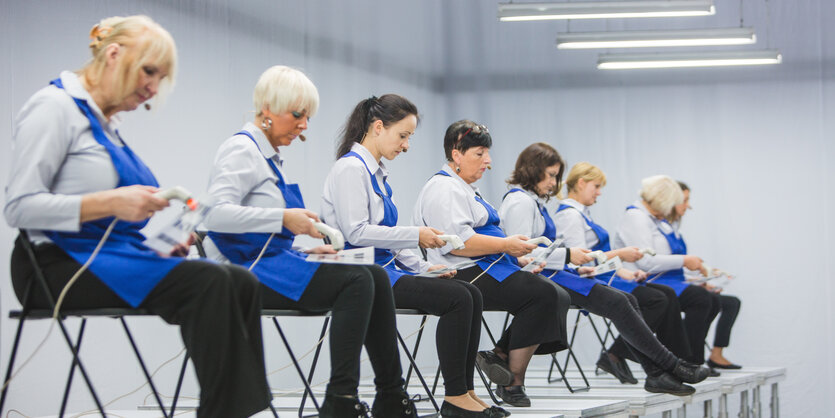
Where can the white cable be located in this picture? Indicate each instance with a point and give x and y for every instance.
(60, 301)
(394, 257)
(488, 268)
(263, 250)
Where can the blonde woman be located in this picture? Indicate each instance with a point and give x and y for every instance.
(646, 224)
(73, 176)
(257, 206)
(658, 303)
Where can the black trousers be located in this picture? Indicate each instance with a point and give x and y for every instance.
(622, 309)
(459, 306)
(538, 307)
(217, 308)
(730, 309)
(700, 308)
(362, 311)
(662, 313)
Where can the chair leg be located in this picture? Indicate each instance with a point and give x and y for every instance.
(325, 324)
(142, 365)
(488, 386)
(81, 367)
(414, 352)
(72, 368)
(12, 358)
(179, 385)
(437, 377)
(296, 364)
(417, 372)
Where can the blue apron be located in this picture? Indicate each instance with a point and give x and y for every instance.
(604, 245)
(508, 264)
(281, 268)
(673, 278)
(124, 264)
(382, 256)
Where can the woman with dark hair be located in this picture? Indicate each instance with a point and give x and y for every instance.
(665, 371)
(256, 217)
(358, 201)
(74, 180)
(450, 202)
(728, 305)
(658, 302)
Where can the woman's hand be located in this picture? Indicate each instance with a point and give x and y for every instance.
(691, 262)
(585, 270)
(428, 237)
(447, 275)
(134, 203)
(516, 246)
(181, 250)
(322, 249)
(630, 254)
(578, 256)
(297, 220)
(632, 275)
(524, 261)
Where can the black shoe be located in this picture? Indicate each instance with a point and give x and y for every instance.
(614, 368)
(714, 365)
(394, 404)
(449, 410)
(713, 373)
(494, 367)
(496, 412)
(689, 372)
(667, 383)
(343, 407)
(514, 395)
(499, 412)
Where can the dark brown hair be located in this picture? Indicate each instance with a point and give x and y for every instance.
(465, 134)
(388, 108)
(531, 165)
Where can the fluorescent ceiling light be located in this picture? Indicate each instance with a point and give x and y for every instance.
(604, 9)
(656, 38)
(688, 59)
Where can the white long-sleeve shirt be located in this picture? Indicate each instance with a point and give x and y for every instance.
(638, 228)
(572, 227)
(519, 214)
(350, 205)
(243, 188)
(448, 204)
(55, 160)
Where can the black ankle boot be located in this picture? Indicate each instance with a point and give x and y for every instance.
(393, 404)
(689, 372)
(343, 407)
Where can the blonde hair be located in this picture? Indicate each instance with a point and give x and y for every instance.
(586, 171)
(145, 42)
(662, 194)
(281, 88)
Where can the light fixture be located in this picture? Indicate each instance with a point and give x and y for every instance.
(656, 38)
(604, 9)
(688, 59)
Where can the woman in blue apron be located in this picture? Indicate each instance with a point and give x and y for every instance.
(451, 203)
(658, 303)
(645, 225)
(358, 201)
(257, 210)
(73, 176)
(535, 179)
(728, 305)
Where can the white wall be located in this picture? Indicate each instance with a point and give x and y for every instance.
(754, 145)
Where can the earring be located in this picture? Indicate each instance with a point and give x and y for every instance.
(267, 123)
(457, 169)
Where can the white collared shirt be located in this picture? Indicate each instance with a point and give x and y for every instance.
(572, 227)
(448, 204)
(638, 228)
(350, 205)
(519, 214)
(56, 159)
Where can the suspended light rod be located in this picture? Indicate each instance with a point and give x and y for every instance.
(510, 12)
(656, 38)
(691, 59)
